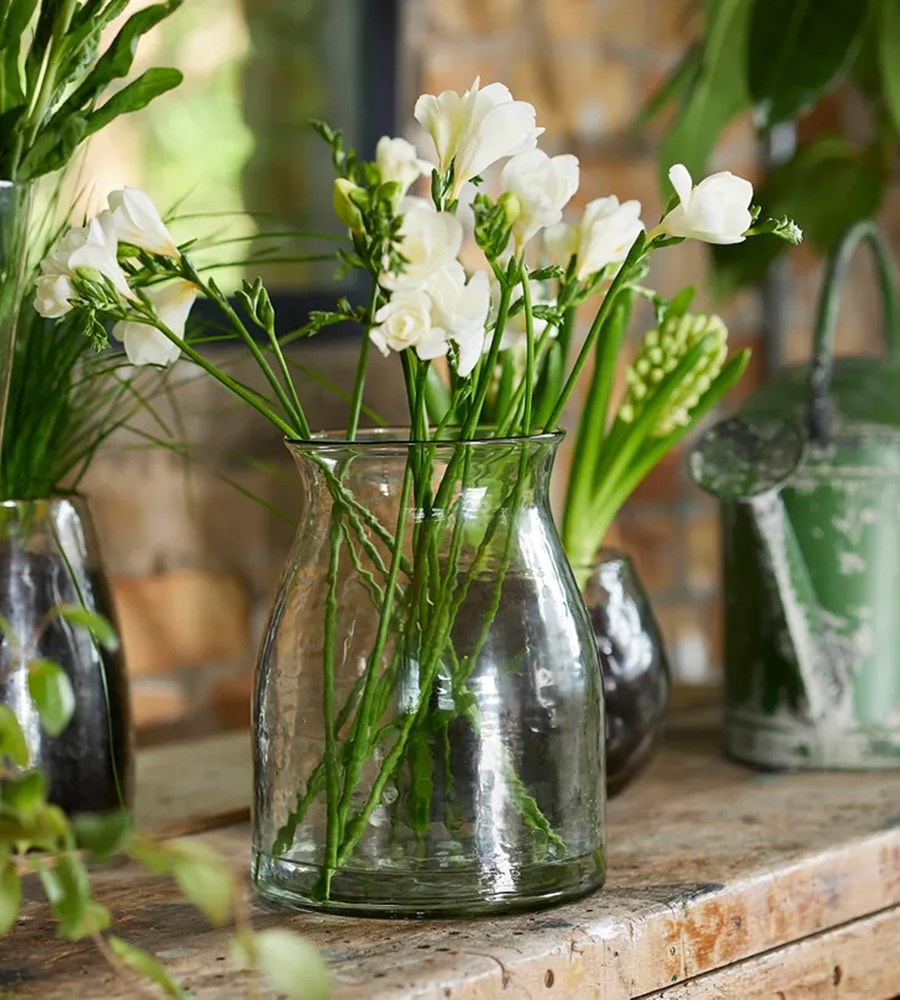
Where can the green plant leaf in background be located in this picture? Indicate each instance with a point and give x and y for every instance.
(200, 872)
(718, 91)
(290, 963)
(10, 894)
(52, 694)
(12, 739)
(827, 186)
(798, 50)
(105, 834)
(23, 797)
(147, 966)
(136, 95)
(99, 627)
(889, 56)
(68, 892)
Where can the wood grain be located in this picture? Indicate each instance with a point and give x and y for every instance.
(189, 787)
(715, 871)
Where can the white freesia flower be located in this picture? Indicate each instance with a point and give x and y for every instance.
(398, 162)
(406, 321)
(462, 309)
(543, 186)
(92, 249)
(476, 129)
(717, 210)
(604, 236)
(144, 344)
(429, 240)
(137, 221)
(515, 332)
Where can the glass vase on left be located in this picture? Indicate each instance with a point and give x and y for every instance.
(49, 559)
(15, 215)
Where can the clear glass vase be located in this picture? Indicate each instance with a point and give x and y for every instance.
(49, 558)
(428, 709)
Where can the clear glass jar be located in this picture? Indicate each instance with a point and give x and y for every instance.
(428, 708)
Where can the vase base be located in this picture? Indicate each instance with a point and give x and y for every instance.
(427, 893)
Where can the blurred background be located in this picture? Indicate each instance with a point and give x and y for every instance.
(194, 560)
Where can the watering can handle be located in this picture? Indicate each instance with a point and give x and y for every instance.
(826, 317)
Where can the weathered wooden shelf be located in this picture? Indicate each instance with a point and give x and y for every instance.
(724, 883)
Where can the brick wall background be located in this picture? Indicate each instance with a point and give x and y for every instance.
(194, 562)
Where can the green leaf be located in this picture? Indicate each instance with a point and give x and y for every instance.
(138, 94)
(103, 835)
(799, 51)
(200, 872)
(54, 146)
(147, 966)
(52, 694)
(23, 797)
(889, 48)
(10, 895)
(68, 892)
(826, 187)
(205, 879)
(289, 962)
(672, 88)
(99, 627)
(12, 739)
(718, 93)
(117, 60)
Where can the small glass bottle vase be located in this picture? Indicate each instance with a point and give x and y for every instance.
(428, 708)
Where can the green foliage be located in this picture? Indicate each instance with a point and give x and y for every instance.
(97, 625)
(12, 739)
(717, 90)
(10, 894)
(54, 77)
(28, 820)
(828, 185)
(147, 966)
(778, 61)
(797, 53)
(52, 694)
(291, 965)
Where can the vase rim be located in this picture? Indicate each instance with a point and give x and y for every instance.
(399, 437)
(606, 555)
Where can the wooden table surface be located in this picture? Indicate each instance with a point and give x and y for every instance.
(724, 883)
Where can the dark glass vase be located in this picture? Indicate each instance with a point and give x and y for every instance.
(48, 559)
(428, 716)
(633, 662)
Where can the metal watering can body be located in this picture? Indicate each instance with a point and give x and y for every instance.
(809, 479)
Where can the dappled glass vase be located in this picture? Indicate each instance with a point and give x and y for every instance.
(633, 661)
(428, 711)
(49, 561)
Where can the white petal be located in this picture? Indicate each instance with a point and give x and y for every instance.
(681, 181)
(138, 222)
(145, 345)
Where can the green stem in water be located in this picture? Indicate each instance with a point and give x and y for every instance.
(529, 351)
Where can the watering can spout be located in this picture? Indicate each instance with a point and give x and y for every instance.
(747, 460)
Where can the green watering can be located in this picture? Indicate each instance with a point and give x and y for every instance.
(808, 475)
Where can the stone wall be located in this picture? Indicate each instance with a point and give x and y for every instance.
(195, 562)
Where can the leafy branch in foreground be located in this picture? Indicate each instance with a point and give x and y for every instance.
(35, 834)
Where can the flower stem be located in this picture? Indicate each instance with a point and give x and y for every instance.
(360, 382)
(621, 279)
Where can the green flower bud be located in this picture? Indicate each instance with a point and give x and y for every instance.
(512, 209)
(661, 353)
(344, 207)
